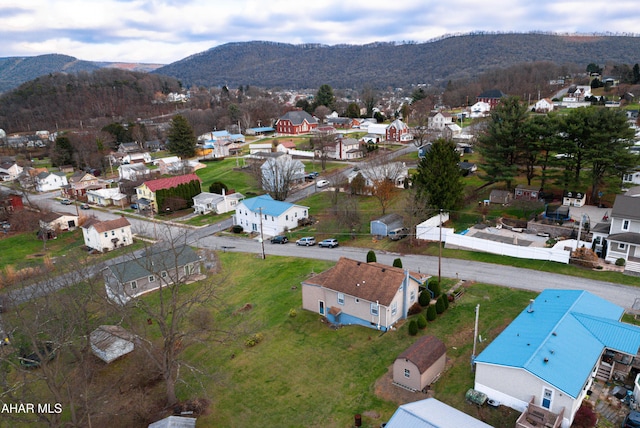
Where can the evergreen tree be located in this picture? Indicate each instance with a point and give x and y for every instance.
(62, 152)
(439, 305)
(421, 321)
(182, 140)
(432, 313)
(371, 257)
(413, 328)
(218, 187)
(324, 97)
(397, 263)
(438, 181)
(501, 144)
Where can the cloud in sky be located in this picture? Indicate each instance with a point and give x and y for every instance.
(163, 31)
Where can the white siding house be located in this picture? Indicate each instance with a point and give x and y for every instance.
(206, 202)
(107, 235)
(266, 214)
(48, 181)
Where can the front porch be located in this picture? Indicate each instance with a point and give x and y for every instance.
(535, 416)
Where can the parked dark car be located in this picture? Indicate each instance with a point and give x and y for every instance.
(280, 239)
(134, 206)
(84, 207)
(328, 243)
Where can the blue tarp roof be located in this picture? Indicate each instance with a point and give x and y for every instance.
(561, 339)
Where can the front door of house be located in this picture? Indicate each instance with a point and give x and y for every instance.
(547, 396)
(321, 309)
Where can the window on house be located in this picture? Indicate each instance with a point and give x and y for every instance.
(106, 234)
(407, 373)
(163, 274)
(113, 233)
(134, 285)
(412, 295)
(357, 300)
(622, 246)
(287, 217)
(152, 278)
(341, 298)
(394, 308)
(374, 309)
(625, 224)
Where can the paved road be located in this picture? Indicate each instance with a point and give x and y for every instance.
(481, 272)
(506, 276)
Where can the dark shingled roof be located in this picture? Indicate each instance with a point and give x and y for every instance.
(297, 117)
(424, 352)
(368, 281)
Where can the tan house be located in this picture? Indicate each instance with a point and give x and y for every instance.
(368, 294)
(421, 364)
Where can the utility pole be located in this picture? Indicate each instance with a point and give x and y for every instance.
(475, 335)
(440, 248)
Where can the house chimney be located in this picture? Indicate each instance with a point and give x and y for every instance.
(530, 308)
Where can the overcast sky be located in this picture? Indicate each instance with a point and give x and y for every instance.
(164, 31)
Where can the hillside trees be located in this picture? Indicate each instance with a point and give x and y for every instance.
(182, 140)
(438, 182)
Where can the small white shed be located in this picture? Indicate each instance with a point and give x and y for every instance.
(110, 342)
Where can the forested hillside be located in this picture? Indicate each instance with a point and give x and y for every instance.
(383, 65)
(17, 70)
(67, 100)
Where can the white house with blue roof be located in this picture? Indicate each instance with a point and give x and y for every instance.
(263, 213)
(549, 356)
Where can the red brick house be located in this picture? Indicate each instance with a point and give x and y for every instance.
(399, 132)
(491, 97)
(296, 122)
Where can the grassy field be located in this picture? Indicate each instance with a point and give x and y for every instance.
(305, 374)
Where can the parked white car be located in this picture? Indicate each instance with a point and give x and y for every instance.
(322, 183)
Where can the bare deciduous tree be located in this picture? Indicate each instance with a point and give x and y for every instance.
(279, 174)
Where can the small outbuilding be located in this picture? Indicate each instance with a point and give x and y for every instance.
(500, 196)
(421, 364)
(174, 422)
(110, 342)
(430, 413)
(574, 199)
(383, 225)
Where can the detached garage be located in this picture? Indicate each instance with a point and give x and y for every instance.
(421, 364)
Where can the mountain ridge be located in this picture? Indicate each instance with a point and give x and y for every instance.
(378, 64)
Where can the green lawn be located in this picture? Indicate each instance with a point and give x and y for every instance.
(227, 172)
(305, 374)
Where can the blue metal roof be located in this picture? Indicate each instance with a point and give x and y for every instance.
(263, 129)
(268, 205)
(560, 337)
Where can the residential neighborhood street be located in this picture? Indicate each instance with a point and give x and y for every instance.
(506, 276)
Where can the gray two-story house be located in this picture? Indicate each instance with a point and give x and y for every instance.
(624, 233)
